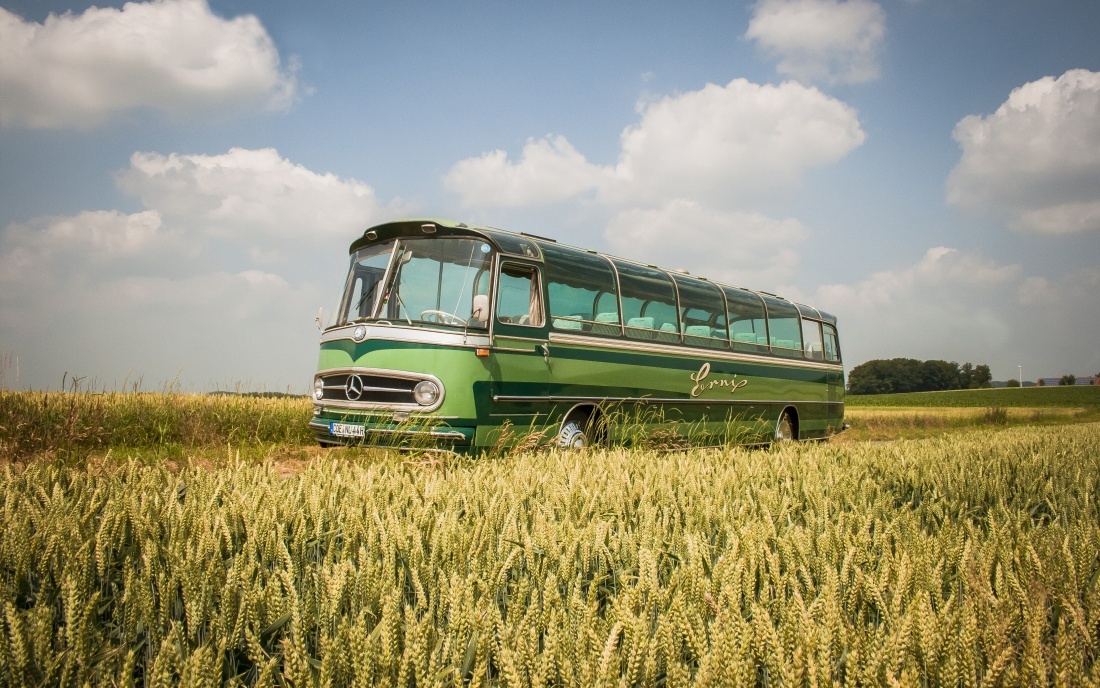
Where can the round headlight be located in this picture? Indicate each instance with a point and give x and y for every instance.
(318, 388)
(359, 333)
(426, 392)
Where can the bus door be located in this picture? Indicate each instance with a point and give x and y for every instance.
(520, 361)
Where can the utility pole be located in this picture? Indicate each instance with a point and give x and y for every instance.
(1021, 367)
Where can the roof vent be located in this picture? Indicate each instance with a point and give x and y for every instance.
(428, 228)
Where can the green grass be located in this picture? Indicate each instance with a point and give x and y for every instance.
(1032, 397)
(76, 423)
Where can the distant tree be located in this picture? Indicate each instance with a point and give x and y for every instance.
(966, 375)
(898, 375)
(1067, 380)
(1012, 383)
(877, 376)
(939, 375)
(981, 378)
(1041, 383)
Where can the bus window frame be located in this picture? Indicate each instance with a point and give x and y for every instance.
(559, 264)
(782, 351)
(659, 336)
(839, 358)
(504, 262)
(696, 341)
(754, 347)
(809, 354)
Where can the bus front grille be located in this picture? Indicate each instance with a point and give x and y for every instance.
(367, 388)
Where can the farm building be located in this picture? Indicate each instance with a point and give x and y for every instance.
(1082, 380)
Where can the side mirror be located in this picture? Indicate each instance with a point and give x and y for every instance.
(480, 311)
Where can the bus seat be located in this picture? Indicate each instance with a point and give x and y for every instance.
(640, 323)
(697, 331)
(784, 343)
(606, 323)
(761, 339)
(566, 324)
(744, 337)
(668, 333)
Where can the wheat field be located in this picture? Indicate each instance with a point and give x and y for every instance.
(969, 560)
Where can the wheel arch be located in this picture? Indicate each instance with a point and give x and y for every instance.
(588, 415)
(792, 412)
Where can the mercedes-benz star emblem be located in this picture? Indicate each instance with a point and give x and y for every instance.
(354, 388)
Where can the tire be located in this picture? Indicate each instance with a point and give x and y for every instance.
(784, 428)
(572, 436)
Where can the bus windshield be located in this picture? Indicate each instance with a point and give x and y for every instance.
(433, 281)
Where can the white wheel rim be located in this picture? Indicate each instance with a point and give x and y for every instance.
(783, 430)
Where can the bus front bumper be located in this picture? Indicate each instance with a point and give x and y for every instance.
(359, 432)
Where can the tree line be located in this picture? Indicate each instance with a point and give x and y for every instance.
(897, 375)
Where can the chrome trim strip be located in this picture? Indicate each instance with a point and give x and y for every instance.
(414, 335)
(658, 400)
(689, 352)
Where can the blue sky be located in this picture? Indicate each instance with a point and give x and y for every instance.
(179, 181)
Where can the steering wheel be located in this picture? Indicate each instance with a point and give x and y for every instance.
(441, 317)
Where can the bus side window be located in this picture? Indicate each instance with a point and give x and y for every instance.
(832, 349)
(519, 296)
(702, 313)
(748, 328)
(811, 340)
(649, 303)
(784, 332)
(581, 289)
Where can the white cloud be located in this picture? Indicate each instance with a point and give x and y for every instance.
(947, 302)
(720, 146)
(731, 143)
(689, 179)
(255, 198)
(94, 235)
(829, 41)
(174, 56)
(549, 170)
(1037, 158)
(188, 282)
(958, 306)
(937, 274)
(730, 246)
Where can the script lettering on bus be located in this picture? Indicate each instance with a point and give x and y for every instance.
(702, 384)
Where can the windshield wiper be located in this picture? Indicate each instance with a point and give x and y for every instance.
(369, 292)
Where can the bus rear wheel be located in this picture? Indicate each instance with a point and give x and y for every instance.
(572, 436)
(784, 428)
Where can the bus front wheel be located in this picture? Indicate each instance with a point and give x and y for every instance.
(572, 436)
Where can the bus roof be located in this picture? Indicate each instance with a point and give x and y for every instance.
(525, 245)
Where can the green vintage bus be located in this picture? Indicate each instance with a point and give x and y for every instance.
(459, 337)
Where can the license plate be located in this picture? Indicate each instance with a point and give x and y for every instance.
(346, 430)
